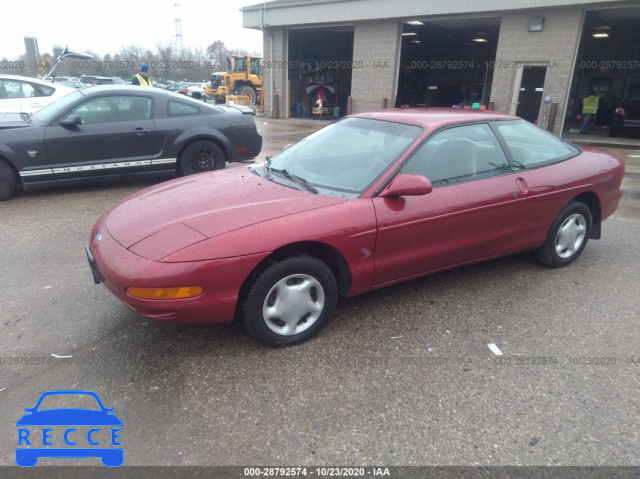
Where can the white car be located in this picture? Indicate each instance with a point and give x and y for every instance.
(196, 90)
(24, 94)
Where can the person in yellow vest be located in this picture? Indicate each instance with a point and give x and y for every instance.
(142, 78)
(589, 108)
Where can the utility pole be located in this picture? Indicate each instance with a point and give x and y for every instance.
(178, 47)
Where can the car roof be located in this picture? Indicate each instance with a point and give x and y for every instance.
(434, 117)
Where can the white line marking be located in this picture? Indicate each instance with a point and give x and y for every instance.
(494, 349)
(60, 357)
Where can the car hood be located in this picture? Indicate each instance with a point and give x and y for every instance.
(174, 215)
(12, 120)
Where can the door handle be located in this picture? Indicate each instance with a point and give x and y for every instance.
(140, 131)
(522, 185)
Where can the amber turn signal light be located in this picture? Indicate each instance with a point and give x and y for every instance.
(165, 293)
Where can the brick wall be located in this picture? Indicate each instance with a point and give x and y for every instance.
(275, 84)
(556, 44)
(375, 48)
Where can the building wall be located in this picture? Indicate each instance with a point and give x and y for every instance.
(376, 48)
(556, 44)
(275, 78)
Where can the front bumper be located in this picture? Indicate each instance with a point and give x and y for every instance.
(222, 279)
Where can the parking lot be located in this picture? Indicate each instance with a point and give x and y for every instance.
(401, 376)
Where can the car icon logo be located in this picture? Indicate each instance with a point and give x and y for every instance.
(69, 432)
(98, 236)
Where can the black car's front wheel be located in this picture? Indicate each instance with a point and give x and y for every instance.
(567, 236)
(290, 301)
(7, 181)
(201, 156)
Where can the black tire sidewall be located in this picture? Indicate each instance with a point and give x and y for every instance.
(547, 254)
(184, 167)
(7, 181)
(252, 316)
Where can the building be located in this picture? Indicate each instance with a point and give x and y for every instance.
(526, 57)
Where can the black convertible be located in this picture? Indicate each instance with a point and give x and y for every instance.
(109, 131)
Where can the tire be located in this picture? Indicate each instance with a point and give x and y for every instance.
(7, 181)
(247, 90)
(567, 236)
(290, 301)
(201, 156)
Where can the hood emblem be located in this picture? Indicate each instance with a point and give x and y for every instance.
(32, 153)
(98, 237)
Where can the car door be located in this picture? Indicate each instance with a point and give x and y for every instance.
(471, 214)
(116, 136)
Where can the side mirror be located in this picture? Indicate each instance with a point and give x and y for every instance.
(71, 121)
(407, 185)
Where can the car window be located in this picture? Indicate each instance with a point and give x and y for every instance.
(64, 401)
(346, 157)
(18, 89)
(179, 108)
(462, 153)
(114, 108)
(531, 147)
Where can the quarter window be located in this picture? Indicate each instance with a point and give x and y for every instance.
(179, 108)
(531, 147)
(458, 154)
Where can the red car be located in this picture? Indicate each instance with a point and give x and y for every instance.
(371, 200)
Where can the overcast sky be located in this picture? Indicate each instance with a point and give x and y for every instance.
(107, 26)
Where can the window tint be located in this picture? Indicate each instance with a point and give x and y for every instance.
(114, 108)
(458, 154)
(179, 108)
(531, 147)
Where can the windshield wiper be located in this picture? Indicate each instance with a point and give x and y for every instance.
(296, 179)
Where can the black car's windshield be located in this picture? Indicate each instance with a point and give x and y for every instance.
(344, 158)
(49, 112)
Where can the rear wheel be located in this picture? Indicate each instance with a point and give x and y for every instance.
(567, 236)
(290, 301)
(201, 156)
(7, 181)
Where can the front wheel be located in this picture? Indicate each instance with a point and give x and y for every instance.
(7, 181)
(201, 156)
(290, 301)
(567, 236)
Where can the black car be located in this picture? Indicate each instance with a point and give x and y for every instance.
(627, 118)
(110, 131)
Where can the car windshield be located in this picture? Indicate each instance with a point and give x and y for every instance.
(343, 159)
(49, 112)
(65, 401)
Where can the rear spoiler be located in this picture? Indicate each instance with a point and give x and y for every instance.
(243, 109)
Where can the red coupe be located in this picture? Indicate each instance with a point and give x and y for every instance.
(371, 200)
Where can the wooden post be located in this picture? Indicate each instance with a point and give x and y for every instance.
(349, 105)
(384, 103)
(491, 106)
(276, 110)
(552, 117)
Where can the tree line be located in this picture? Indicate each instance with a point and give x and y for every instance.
(165, 63)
